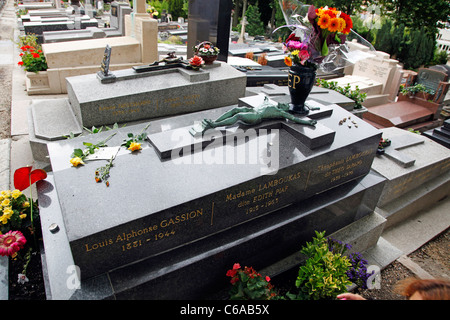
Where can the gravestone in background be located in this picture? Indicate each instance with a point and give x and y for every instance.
(209, 20)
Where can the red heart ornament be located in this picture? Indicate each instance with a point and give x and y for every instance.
(24, 177)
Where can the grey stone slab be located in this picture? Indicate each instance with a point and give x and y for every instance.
(4, 279)
(194, 196)
(431, 161)
(152, 95)
(401, 142)
(63, 277)
(5, 158)
(53, 119)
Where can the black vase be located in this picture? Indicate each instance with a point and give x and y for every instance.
(300, 82)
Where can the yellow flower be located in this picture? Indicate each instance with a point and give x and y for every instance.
(295, 52)
(16, 193)
(8, 212)
(5, 202)
(76, 161)
(23, 216)
(4, 219)
(26, 204)
(6, 193)
(134, 146)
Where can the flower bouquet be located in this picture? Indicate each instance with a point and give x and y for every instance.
(207, 51)
(315, 41)
(19, 219)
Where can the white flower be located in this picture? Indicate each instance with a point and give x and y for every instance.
(22, 278)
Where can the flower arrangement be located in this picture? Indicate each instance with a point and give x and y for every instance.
(249, 284)
(313, 38)
(206, 48)
(33, 60)
(207, 51)
(15, 211)
(19, 215)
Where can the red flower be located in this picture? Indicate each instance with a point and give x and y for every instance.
(36, 55)
(23, 48)
(196, 61)
(292, 37)
(348, 22)
(20, 63)
(11, 242)
(267, 278)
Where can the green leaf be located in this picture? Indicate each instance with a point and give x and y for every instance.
(325, 49)
(77, 153)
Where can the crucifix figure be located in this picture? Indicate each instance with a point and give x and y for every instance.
(250, 116)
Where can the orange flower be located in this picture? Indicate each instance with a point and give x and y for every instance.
(288, 61)
(334, 25)
(324, 21)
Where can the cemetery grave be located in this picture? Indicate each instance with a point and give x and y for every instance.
(413, 110)
(66, 59)
(187, 206)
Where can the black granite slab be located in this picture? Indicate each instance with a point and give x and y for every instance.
(154, 206)
(257, 243)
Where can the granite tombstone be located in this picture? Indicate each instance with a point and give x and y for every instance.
(177, 201)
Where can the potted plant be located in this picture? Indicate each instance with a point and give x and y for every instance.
(308, 47)
(207, 51)
(33, 60)
(324, 273)
(417, 90)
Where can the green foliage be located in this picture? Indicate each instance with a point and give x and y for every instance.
(440, 57)
(356, 95)
(362, 30)
(412, 90)
(418, 49)
(176, 9)
(323, 276)
(255, 25)
(383, 41)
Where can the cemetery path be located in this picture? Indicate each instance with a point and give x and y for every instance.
(6, 35)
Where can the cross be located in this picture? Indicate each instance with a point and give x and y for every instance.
(312, 137)
(401, 142)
